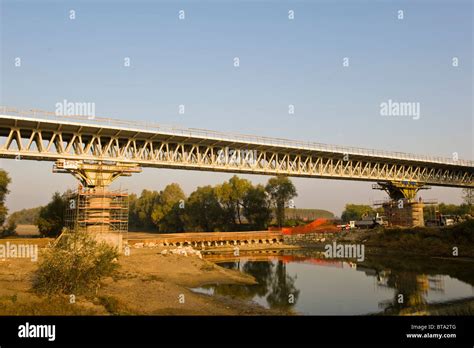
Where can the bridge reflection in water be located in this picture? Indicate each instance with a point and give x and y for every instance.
(314, 285)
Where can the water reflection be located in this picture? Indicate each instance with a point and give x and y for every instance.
(310, 284)
(275, 285)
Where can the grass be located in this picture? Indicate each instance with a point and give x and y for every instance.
(435, 241)
(110, 304)
(47, 306)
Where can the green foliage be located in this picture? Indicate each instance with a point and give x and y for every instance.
(110, 304)
(50, 221)
(234, 205)
(141, 208)
(231, 197)
(468, 196)
(453, 209)
(294, 223)
(203, 211)
(4, 182)
(25, 216)
(9, 229)
(306, 215)
(356, 212)
(75, 265)
(429, 211)
(256, 207)
(167, 213)
(437, 241)
(280, 190)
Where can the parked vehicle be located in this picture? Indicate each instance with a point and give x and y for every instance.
(367, 222)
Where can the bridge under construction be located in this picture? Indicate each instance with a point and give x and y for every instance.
(98, 150)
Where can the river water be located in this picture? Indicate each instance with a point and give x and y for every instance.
(308, 283)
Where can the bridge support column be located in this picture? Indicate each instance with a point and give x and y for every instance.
(93, 208)
(402, 209)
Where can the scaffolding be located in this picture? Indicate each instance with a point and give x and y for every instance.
(404, 212)
(97, 210)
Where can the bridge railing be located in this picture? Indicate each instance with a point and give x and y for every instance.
(224, 136)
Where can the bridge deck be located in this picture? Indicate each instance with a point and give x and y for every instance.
(53, 138)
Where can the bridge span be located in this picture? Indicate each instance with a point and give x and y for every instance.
(83, 146)
(98, 150)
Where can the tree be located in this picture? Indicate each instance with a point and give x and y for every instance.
(25, 216)
(468, 197)
(133, 222)
(281, 190)
(166, 213)
(51, 217)
(257, 207)
(4, 182)
(356, 212)
(231, 196)
(141, 209)
(453, 209)
(203, 211)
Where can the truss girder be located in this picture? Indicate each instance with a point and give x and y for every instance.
(50, 145)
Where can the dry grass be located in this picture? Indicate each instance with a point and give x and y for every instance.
(147, 283)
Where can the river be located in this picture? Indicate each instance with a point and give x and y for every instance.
(305, 282)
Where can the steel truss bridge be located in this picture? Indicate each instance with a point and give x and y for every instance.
(86, 146)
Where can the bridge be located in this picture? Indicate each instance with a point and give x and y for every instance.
(98, 150)
(79, 143)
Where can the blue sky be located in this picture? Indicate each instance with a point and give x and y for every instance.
(282, 62)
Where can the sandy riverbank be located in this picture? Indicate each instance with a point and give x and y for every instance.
(147, 283)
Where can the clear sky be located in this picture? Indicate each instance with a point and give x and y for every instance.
(282, 62)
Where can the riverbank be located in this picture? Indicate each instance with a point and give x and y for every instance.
(451, 241)
(147, 283)
(154, 281)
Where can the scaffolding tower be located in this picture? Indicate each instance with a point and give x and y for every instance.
(97, 210)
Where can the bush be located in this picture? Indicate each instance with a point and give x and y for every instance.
(50, 219)
(9, 230)
(75, 265)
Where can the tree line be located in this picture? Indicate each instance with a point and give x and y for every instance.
(235, 205)
(359, 211)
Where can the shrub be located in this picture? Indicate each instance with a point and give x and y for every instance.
(50, 219)
(9, 230)
(75, 265)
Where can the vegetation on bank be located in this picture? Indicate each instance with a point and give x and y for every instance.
(50, 219)
(25, 216)
(6, 228)
(75, 265)
(429, 211)
(235, 205)
(355, 212)
(433, 241)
